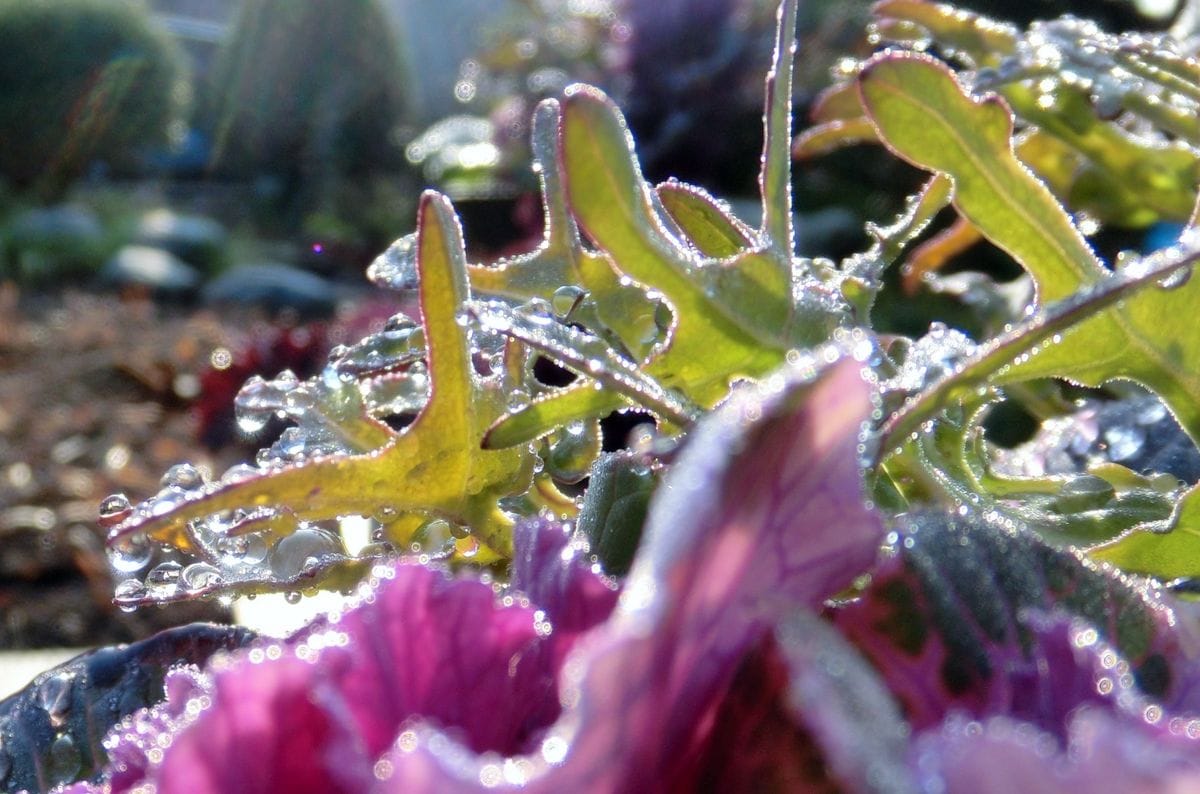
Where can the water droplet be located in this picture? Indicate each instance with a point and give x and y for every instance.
(293, 553)
(201, 576)
(646, 328)
(1085, 492)
(54, 695)
(239, 473)
(396, 268)
(129, 590)
(384, 514)
(565, 299)
(183, 475)
(468, 547)
(114, 509)
(292, 596)
(130, 554)
(163, 579)
(572, 450)
(1176, 279)
(399, 322)
(248, 549)
(434, 532)
(63, 760)
(376, 550)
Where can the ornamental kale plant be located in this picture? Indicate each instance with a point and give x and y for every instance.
(817, 572)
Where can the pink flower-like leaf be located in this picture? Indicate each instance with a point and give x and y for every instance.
(763, 512)
(436, 683)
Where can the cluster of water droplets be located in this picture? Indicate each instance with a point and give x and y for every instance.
(229, 551)
(1128, 71)
(1176, 258)
(930, 358)
(1137, 432)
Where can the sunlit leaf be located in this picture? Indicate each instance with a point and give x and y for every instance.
(926, 117)
(950, 623)
(433, 467)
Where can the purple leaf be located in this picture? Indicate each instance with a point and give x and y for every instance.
(1000, 755)
(762, 512)
(460, 688)
(556, 574)
(855, 721)
(951, 622)
(262, 733)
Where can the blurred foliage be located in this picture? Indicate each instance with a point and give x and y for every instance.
(82, 81)
(305, 92)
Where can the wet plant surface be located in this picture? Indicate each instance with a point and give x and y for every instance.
(815, 531)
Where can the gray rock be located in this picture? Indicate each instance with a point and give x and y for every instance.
(144, 266)
(275, 287)
(61, 222)
(51, 243)
(198, 240)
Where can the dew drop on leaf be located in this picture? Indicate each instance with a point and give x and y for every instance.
(163, 579)
(130, 554)
(565, 299)
(396, 268)
(183, 475)
(243, 549)
(239, 473)
(200, 576)
(128, 590)
(114, 509)
(1085, 492)
(293, 553)
(63, 761)
(1176, 279)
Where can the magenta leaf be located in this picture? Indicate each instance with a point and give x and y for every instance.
(762, 512)
(835, 694)
(555, 572)
(433, 683)
(951, 621)
(1001, 755)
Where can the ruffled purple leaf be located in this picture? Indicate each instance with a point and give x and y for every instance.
(434, 683)
(553, 570)
(952, 621)
(1105, 755)
(762, 512)
(262, 732)
(843, 703)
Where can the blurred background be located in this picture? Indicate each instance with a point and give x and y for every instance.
(190, 191)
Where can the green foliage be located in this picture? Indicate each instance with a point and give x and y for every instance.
(305, 90)
(1089, 325)
(82, 81)
(659, 298)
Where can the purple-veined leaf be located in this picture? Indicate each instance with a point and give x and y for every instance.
(762, 512)
(951, 622)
